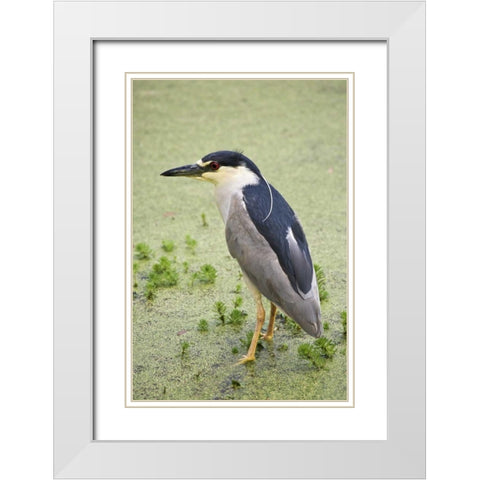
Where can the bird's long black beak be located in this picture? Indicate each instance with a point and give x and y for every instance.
(194, 170)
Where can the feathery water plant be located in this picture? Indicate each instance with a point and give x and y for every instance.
(191, 243)
(202, 326)
(143, 251)
(206, 275)
(319, 352)
(220, 309)
(321, 280)
(168, 245)
(162, 274)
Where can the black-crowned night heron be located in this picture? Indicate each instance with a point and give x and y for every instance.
(265, 237)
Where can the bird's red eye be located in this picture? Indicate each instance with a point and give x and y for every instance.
(214, 165)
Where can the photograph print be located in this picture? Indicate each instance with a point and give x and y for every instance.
(238, 250)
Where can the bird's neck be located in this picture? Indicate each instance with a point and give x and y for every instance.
(231, 187)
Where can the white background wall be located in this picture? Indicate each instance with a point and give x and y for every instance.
(453, 240)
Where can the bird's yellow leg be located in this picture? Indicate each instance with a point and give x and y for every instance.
(250, 356)
(273, 311)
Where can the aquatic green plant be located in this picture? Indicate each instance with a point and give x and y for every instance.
(185, 346)
(204, 220)
(220, 309)
(325, 347)
(319, 352)
(162, 274)
(168, 245)
(323, 294)
(150, 291)
(234, 350)
(185, 267)
(143, 251)
(202, 325)
(191, 243)
(326, 326)
(237, 302)
(308, 352)
(291, 325)
(206, 275)
(236, 317)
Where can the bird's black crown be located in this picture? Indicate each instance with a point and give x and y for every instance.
(227, 158)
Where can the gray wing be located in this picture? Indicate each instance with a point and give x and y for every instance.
(283, 232)
(260, 264)
(300, 263)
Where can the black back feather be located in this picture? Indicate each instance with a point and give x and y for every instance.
(275, 228)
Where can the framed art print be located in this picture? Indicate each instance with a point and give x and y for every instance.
(313, 108)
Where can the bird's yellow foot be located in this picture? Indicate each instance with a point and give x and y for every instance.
(267, 336)
(245, 359)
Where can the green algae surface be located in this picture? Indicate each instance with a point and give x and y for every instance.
(295, 131)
